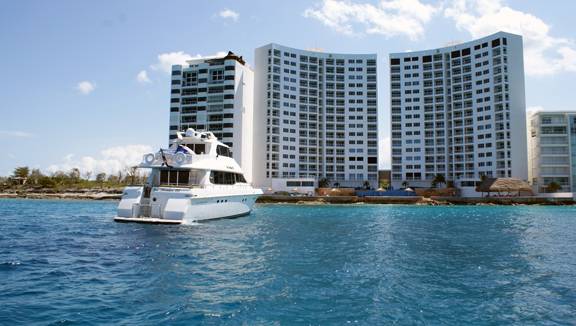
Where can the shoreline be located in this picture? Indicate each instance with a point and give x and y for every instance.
(63, 195)
(323, 200)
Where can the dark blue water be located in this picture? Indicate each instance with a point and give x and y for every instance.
(67, 262)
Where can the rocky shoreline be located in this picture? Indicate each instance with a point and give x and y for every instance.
(116, 194)
(66, 194)
(417, 200)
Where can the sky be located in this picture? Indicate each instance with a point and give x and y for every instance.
(85, 83)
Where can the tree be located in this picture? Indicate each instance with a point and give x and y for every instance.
(21, 172)
(384, 184)
(46, 182)
(438, 179)
(131, 171)
(35, 176)
(87, 175)
(74, 174)
(101, 177)
(366, 184)
(59, 178)
(553, 187)
(323, 183)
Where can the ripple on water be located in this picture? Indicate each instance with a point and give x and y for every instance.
(68, 263)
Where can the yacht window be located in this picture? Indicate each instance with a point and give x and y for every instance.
(226, 178)
(164, 177)
(197, 148)
(172, 177)
(224, 151)
(183, 177)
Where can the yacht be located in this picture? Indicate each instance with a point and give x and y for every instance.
(195, 179)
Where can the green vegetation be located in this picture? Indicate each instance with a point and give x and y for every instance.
(366, 184)
(553, 187)
(24, 179)
(384, 184)
(323, 183)
(438, 180)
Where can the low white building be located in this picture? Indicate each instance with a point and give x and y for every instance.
(552, 143)
(216, 94)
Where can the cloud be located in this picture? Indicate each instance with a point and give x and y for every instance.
(167, 60)
(85, 87)
(544, 54)
(142, 77)
(388, 17)
(15, 133)
(229, 14)
(109, 161)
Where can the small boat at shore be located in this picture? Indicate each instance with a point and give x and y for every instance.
(195, 179)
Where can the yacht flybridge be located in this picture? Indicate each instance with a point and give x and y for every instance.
(195, 179)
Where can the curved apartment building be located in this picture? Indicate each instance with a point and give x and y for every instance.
(460, 112)
(316, 116)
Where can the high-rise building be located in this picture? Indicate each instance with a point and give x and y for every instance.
(459, 111)
(552, 150)
(316, 116)
(216, 94)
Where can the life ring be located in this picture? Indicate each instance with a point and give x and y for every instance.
(180, 158)
(149, 158)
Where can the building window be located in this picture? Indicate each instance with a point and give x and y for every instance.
(217, 75)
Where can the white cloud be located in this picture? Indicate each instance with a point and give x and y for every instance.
(142, 77)
(110, 161)
(167, 60)
(85, 87)
(544, 54)
(229, 14)
(388, 17)
(15, 133)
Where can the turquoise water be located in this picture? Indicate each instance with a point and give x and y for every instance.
(67, 262)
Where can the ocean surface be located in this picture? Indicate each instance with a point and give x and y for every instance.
(68, 263)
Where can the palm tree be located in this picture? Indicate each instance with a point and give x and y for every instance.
(21, 172)
(438, 179)
(366, 184)
(323, 183)
(553, 187)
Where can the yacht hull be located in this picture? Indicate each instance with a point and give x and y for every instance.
(180, 210)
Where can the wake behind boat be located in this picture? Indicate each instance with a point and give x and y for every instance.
(196, 179)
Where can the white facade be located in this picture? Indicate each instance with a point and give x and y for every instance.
(216, 94)
(459, 111)
(316, 116)
(552, 142)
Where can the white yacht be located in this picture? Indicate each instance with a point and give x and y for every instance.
(196, 179)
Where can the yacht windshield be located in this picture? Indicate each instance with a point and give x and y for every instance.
(178, 178)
